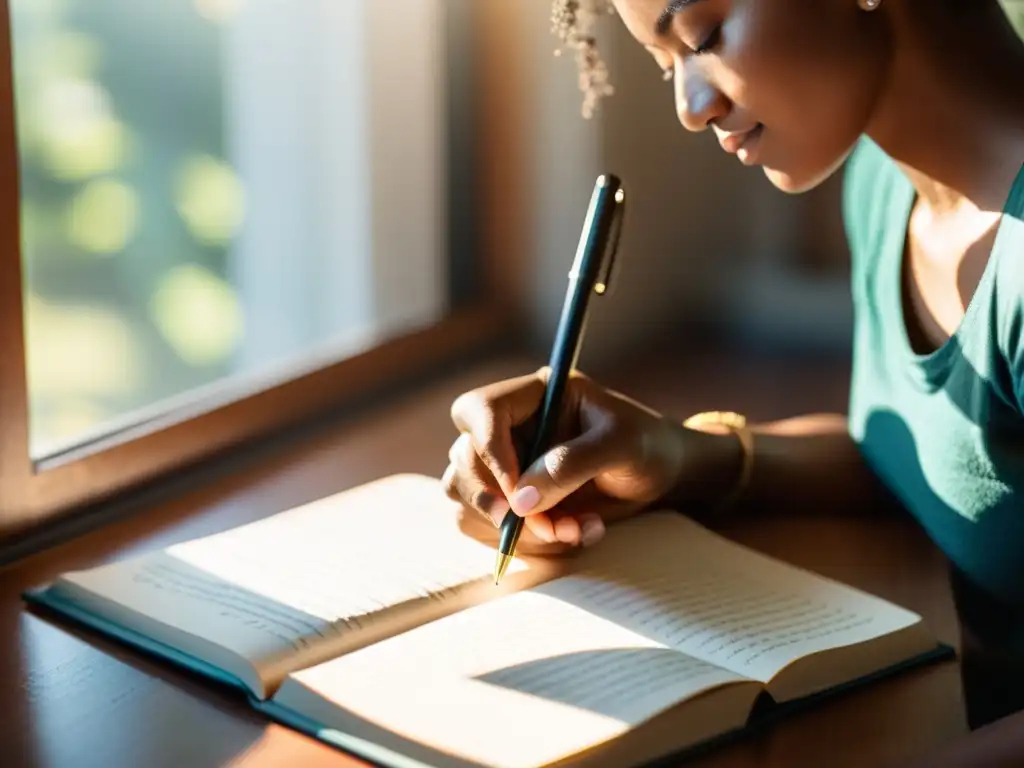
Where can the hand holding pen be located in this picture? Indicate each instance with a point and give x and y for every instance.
(603, 458)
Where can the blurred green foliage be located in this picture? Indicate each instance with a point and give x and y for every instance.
(129, 206)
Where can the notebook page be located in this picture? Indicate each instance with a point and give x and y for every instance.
(313, 581)
(567, 678)
(674, 581)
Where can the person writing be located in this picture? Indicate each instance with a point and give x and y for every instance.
(920, 103)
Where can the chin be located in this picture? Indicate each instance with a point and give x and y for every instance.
(796, 182)
(790, 183)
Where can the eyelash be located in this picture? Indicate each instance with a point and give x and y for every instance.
(709, 42)
(712, 40)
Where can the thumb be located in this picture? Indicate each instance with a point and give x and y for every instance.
(565, 469)
(489, 414)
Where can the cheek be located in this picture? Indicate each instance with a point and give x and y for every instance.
(805, 71)
(786, 61)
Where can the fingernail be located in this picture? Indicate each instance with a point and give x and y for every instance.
(593, 531)
(525, 499)
(568, 531)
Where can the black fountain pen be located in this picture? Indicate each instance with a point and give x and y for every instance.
(591, 274)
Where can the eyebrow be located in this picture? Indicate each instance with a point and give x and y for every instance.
(665, 19)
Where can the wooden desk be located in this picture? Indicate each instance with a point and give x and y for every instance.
(73, 699)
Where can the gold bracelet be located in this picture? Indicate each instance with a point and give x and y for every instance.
(737, 424)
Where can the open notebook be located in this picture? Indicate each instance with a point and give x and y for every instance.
(369, 620)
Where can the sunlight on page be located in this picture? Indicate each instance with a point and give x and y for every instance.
(727, 605)
(340, 566)
(337, 572)
(565, 677)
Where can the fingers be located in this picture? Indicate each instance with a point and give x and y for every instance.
(558, 476)
(488, 416)
(467, 479)
(474, 525)
(593, 511)
(568, 467)
(484, 471)
(582, 528)
(581, 519)
(543, 527)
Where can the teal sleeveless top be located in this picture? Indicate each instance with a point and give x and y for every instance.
(944, 431)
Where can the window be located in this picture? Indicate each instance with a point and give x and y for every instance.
(232, 214)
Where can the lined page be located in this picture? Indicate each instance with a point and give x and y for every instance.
(319, 579)
(566, 678)
(673, 581)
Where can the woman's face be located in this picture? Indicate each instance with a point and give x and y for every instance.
(789, 85)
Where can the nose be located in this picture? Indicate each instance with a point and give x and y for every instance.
(698, 102)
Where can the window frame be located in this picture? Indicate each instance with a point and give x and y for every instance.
(230, 417)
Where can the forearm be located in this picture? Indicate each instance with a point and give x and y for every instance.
(811, 461)
(800, 464)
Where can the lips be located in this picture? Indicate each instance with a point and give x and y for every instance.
(734, 142)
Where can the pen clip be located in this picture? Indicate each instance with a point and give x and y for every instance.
(603, 284)
(611, 211)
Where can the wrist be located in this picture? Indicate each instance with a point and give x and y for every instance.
(734, 424)
(716, 465)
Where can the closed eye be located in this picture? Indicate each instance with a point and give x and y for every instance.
(665, 19)
(710, 42)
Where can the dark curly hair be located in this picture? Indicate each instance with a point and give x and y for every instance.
(572, 22)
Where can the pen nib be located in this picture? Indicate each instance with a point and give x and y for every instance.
(500, 566)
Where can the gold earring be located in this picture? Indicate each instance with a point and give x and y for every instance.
(869, 5)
